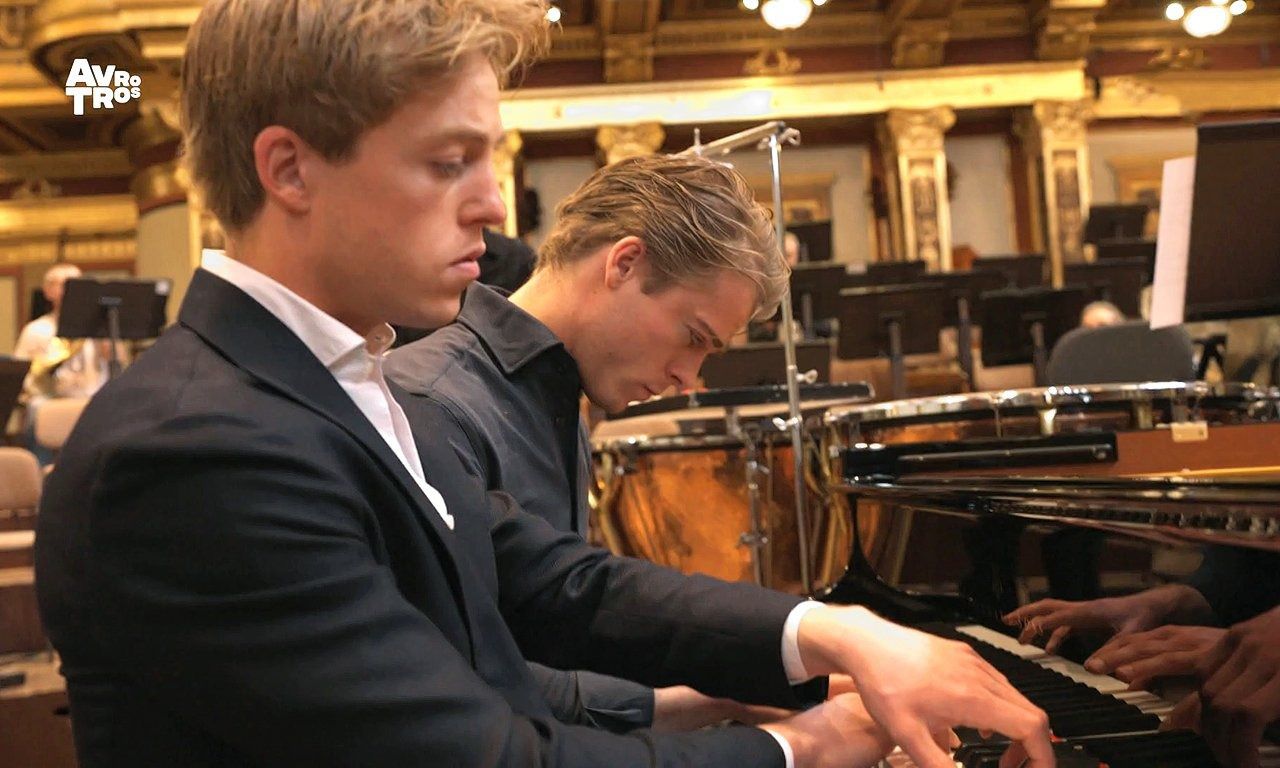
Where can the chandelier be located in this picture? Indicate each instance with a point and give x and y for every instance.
(782, 14)
(1206, 19)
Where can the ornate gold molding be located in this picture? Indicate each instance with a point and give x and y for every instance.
(741, 99)
(746, 34)
(618, 142)
(14, 15)
(772, 62)
(159, 185)
(921, 43)
(78, 215)
(100, 163)
(60, 30)
(97, 228)
(1179, 93)
(1063, 27)
(152, 144)
(628, 58)
(1156, 33)
(47, 250)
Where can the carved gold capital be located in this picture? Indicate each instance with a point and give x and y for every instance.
(1061, 122)
(152, 143)
(504, 167)
(13, 22)
(917, 131)
(159, 185)
(921, 43)
(1063, 27)
(628, 58)
(618, 142)
(772, 61)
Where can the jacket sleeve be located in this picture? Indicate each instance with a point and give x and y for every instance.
(570, 604)
(235, 571)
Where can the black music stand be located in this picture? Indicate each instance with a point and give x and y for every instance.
(961, 312)
(894, 320)
(1116, 222)
(1024, 270)
(13, 372)
(815, 240)
(1113, 250)
(1021, 325)
(1233, 260)
(113, 309)
(880, 273)
(815, 292)
(751, 365)
(1118, 281)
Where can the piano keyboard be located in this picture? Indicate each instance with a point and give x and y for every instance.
(1101, 722)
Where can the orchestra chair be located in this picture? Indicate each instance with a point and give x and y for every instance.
(1122, 353)
(56, 418)
(20, 480)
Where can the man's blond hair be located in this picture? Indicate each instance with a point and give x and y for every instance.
(328, 70)
(697, 218)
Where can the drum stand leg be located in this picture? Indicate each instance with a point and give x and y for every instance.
(756, 539)
(1039, 354)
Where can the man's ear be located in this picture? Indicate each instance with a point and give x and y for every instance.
(282, 160)
(624, 262)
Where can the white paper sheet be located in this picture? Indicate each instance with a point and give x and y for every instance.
(1173, 241)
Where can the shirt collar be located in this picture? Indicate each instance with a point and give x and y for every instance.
(514, 337)
(327, 337)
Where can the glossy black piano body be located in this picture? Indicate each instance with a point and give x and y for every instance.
(962, 532)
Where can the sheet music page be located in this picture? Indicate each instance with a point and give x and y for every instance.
(1173, 242)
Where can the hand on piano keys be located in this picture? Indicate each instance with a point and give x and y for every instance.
(1143, 657)
(917, 685)
(1239, 695)
(1101, 722)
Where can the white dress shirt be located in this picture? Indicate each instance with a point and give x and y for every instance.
(354, 360)
(356, 363)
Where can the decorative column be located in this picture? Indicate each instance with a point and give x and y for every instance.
(169, 227)
(1057, 156)
(916, 167)
(618, 142)
(505, 166)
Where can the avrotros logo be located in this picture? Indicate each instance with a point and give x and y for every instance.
(105, 88)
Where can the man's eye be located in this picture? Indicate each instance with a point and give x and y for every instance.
(449, 169)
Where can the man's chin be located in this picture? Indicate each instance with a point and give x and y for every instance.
(435, 314)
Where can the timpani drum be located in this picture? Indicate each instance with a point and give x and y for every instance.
(675, 476)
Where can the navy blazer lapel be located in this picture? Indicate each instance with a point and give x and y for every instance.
(254, 339)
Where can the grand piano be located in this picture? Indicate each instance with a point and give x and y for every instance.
(964, 510)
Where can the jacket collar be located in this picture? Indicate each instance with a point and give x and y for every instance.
(514, 337)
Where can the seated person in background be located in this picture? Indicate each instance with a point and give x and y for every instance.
(246, 556)
(59, 367)
(1100, 313)
(507, 261)
(1238, 696)
(510, 372)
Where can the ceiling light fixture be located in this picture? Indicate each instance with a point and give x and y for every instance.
(1205, 18)
(1206, 21)
(553, 14)
(782, 14)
